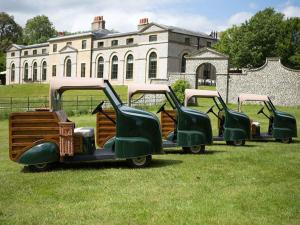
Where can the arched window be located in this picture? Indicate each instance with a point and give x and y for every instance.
(68, 68)
(34, 72)
(152, 65)
(100, 67)
(12, 72)
(114, 67)
(26, 72)
(44, 70)
(183, 63)
(129, 67)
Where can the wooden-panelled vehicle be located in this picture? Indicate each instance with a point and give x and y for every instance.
(187, 128)
(40, 138)
(233, 127)
(282, 126)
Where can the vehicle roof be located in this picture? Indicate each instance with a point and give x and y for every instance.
(63, 84)
(147, 89)
(189, 93)
(252, 97)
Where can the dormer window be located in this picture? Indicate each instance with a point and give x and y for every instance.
(25, 52)
(187, 41)
(100, 44)
(152, 38)
(83, 44)
(129, 41)
(114, 43)
(54, 47)
(12, 54)
(34, 52)
(44, 51)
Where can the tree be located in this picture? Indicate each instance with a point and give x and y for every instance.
(38, 30)
(266, 34)
(179, 87)
(10, 32)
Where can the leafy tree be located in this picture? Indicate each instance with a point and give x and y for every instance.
(38, 30)
(266, 34)
(10, 32)
(179, 87)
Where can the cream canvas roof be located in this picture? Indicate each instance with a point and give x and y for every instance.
(252, 97)
(189, 93)
(147, 89)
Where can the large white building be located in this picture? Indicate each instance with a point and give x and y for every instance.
(151, 52)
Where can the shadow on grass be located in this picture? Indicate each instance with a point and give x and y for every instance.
(180, 152)
(243, 146)
(156, 163)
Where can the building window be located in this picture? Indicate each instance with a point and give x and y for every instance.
(34, 72)
(100, 68)
(83, 44)
(54, 47)
(12, 72)
(152, 38)
(44, 51)
(152, 65)
(26, 72)
(69, 43)
(114, 42)
(34, 52)
(129, 41)
(82, 69)
(100, 44)
(187, 41)
(44, 71)
(68, 67)
(114, 68)
(129, 67)
(208, 44)
(53, 70)
(183, 63)
(12, 54)
(25, 52)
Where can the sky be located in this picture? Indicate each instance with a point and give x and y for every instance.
(123, 15)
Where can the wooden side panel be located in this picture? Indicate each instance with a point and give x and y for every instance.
(105, 129)
(167, 124)
(66, 140)
(27, 128)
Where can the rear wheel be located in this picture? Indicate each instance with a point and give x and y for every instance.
(140, 162)
(40, 167)
(200, 149)
(286, 140)
(238, 142)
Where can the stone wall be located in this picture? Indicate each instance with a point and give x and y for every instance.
(273, 79)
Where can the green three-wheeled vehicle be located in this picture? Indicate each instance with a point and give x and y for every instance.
(233, 127)
(43, 137)
(192, 129)
(282, 126)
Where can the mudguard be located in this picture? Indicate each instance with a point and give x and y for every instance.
(46, 152)
(131, 147)
(284, 126)
(191, 138)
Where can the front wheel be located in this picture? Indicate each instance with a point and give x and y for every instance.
(139, 162)
(200, 149)
(286, 140)
(238, 142)
(40, 167)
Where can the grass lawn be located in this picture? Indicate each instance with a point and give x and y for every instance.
(255, 184)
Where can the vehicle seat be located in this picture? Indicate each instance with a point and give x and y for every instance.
(62, 116)
(88, 137)
(255, 128)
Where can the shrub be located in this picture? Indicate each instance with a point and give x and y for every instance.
(179, 87)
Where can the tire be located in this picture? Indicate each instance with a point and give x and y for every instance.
(286, 140)
(229, 142)
(40, 167)
(139, 162)
(200, 149)
(238, 142)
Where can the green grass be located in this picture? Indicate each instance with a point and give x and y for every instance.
(255, 184)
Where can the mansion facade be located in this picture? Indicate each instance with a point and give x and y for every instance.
(151, 52)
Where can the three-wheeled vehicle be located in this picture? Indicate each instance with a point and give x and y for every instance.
(282, 126)
(40, 138)
(233, 127)
(181, 126)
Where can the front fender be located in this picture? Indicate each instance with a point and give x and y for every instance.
(46, 152)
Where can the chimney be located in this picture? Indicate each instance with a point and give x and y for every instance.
(143, 22)
(98, 23)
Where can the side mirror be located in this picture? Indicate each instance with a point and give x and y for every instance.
(210, 110)
(162, 108)
(261, 110)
